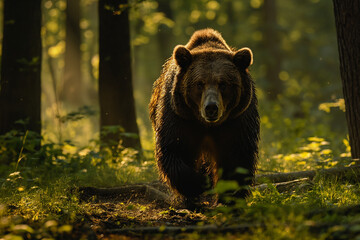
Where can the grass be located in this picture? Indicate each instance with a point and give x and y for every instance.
(39, 197)
(53, 209)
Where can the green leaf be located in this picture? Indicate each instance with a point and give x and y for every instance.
(65, 228)
(242, 170)
(226, 185)
(22, 228)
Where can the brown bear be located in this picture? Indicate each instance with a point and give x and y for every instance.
(204, 113)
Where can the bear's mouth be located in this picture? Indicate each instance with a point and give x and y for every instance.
(211, 116)
(211, 119)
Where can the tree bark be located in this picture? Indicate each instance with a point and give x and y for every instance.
(165, 34)
(20, 86)
(73, 89)
(117, 105)
(272, 49)
(347, 20)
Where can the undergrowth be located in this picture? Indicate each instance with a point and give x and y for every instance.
(39, 191)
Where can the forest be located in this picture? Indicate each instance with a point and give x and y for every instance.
(77, 146)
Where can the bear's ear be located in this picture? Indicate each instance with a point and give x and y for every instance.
(182, 56)
(243, 58)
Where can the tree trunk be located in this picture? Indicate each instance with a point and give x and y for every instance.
(20, 86)
(347, 20)
(165, 34)
(73, 91)
(117, 105)
(272, 51)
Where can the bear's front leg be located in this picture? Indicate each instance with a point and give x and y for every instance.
(237, 162)
(176, 162)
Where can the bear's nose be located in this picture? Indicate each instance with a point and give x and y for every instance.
(211, 111)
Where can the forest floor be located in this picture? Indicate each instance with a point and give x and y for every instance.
(149, 211)
(319, 209)
(135, 212)
(89, 197)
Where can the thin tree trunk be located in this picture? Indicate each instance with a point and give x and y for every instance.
(92, 93)
(20, 86)
(165, 34)
(271, 44)
(73, 89)
(347, 20)
(117, 105)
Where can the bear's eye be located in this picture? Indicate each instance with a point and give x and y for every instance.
(222, 86)
(200, 85)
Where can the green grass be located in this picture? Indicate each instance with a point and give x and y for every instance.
(39, 198)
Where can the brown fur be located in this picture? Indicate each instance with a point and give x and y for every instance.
(204, 113)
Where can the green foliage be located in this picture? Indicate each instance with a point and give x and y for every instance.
(46, 194)
(41, 199)
(16, 145)
(25, 208)
(86, 166)
(315, 153)
(147, 20)
(291, 215)
(81, 113)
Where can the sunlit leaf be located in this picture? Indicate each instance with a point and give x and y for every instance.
(305, 155)
(283, 75)
(213, 5)
(22, 228)
(326, 152)
(256, 3)
(12, 237)
(194, 16)
(65, 228)
(301, 163)
(57, 50)
(50, 224)
(315, 139)
(210, 15)
(223, 186)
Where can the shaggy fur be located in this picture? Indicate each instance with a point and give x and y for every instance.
(204, 114)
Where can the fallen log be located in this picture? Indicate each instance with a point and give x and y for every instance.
(133, 191)
(159, 193)
(342, 173)
(302, 183)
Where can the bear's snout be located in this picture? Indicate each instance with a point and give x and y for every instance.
(211, 111)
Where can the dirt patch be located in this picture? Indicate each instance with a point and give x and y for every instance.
(136, 205)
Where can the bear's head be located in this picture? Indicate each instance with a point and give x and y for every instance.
(212, 84)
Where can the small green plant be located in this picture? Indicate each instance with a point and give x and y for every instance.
(314, 154)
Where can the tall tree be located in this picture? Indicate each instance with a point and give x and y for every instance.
(347, 20)
(165, 32)
(73, 89)
(20, 87)
(117, 105)
(272, 51)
